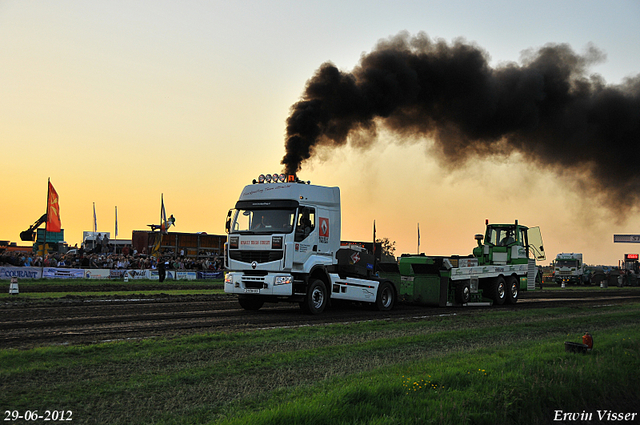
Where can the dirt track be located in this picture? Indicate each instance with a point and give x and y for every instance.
(88, 320)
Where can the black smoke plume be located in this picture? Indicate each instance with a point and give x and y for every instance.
(546, 108)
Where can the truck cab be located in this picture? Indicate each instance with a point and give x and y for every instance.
(284, 245)
(568, 268)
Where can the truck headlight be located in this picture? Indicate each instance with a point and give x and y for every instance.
(282, 280)
(228, 278)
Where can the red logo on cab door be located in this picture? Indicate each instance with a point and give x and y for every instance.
(324, 230)
(324, 227)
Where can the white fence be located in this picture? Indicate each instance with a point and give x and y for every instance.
(63, 273)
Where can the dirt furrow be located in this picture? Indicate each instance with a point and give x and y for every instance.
(85, 321)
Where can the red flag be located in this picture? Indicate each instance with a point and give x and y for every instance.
(53, 211)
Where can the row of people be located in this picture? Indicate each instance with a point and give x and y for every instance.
(109, 261)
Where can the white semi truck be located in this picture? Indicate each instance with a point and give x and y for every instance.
(569, 268)
(284, 245)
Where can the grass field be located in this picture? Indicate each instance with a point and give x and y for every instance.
(500, 367)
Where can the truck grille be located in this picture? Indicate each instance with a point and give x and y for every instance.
(257, 256)
(253, 282)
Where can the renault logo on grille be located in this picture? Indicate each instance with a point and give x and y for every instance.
(254, 264)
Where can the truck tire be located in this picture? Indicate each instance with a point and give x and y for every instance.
(250, 303)
(316, 299)
(463, 293)
(513, 284)
(498, 290)
(386, 298)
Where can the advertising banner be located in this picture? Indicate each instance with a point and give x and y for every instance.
(626, 238)
(210, 275)
(137, 274)
(97, 274)
(64, 273)
(186, 275)
(20, 272)
(116, 274)
(153, 275)
(51, 272)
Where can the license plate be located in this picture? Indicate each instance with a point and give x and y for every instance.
(252, 291)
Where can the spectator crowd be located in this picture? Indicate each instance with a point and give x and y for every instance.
(128, 259)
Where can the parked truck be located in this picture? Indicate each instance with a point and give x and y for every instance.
(284, 245)
(629, 271)
(569, 268)
(502, 264)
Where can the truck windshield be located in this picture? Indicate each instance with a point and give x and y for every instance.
(264, 221)
(566, 263)
(501, 236)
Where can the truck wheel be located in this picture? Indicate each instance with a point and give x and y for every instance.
(250, 303)
(512, 290)
(463, 293)
(316, 299)
(386, 297)
(498, 291)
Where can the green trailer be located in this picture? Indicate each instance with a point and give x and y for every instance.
(502, 264)
(427, 281)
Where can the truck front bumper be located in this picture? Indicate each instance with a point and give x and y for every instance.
(273, 284)
(567, 279)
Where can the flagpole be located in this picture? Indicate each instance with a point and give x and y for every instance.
(418, 238)
(161, 233)
(374, 247)
(95, 228)
(44, 244)
(115, 248)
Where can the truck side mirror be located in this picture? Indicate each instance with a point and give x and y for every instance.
(227, 224)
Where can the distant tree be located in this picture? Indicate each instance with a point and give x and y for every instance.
(388, 249)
